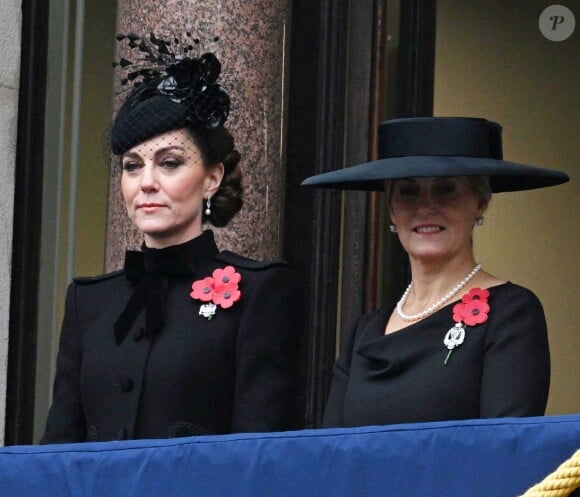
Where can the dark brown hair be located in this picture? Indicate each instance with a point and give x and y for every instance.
(217, 146)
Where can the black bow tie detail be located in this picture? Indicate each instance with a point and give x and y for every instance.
(150, 270)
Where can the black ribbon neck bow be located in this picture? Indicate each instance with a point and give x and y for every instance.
(150, 269)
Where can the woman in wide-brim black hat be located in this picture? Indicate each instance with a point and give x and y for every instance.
(186, 339)
(460, 343)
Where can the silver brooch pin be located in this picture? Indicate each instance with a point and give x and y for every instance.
(454, 338)
(207, 310)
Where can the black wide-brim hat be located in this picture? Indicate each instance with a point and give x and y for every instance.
(439, 146)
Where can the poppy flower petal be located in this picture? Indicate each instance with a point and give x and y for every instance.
(203, 289)
(475, 294)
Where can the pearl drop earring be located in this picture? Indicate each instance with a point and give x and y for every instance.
(208, 207)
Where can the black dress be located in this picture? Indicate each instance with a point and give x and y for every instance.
(501, 369)
(166, 370)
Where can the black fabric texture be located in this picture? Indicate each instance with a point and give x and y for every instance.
(236, 372)
(502, 368)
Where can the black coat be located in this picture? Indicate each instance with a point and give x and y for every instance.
(236, 372)
(502, 368)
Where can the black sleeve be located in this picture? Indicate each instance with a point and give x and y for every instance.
(516, 371)
(340, 374)
(66, 421)
(267, 354)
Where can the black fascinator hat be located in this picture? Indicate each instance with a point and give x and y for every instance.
(170, 91)
(439, 146)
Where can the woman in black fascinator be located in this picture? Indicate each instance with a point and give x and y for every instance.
(185, 339)
(460, 342)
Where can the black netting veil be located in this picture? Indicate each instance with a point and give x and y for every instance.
(171, 90)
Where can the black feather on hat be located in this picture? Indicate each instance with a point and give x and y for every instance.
(439, 146)
(171, 91)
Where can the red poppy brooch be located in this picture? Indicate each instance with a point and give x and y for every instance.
(219, 289)
(471, 311)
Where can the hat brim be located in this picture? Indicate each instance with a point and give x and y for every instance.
(504, 176)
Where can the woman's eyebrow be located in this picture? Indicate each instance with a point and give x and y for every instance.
(135, 155)
(131, 155)
(169, 148)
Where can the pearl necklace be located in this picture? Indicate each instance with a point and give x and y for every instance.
(431, 309)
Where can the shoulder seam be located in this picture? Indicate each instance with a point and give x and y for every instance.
(86, 280)
(247, 263)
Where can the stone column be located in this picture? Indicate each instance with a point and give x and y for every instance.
(252, 48)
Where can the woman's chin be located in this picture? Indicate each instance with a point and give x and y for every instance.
(430, 254)
(158, 237)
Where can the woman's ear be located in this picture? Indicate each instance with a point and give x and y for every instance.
(214, 178)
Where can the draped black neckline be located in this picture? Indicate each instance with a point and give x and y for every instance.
(149, 269)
